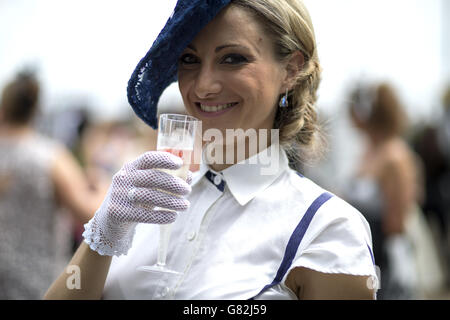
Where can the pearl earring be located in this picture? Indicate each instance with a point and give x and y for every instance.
(284, 101)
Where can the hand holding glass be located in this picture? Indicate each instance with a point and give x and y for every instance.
(176, 134)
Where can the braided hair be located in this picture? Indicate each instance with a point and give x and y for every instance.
(289, 24)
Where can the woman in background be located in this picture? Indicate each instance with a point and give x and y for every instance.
(37, 176)
(387, 186)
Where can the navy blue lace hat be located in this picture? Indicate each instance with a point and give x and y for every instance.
(158, 69)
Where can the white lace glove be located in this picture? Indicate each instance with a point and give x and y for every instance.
(134, 193)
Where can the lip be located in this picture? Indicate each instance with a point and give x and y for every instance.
(213, 114)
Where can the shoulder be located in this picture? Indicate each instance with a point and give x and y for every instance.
(331, 213)
(343, 221)
(298, 188)
(46, 145)
(396, 153)
(399, 162)
(336, 252)
(338, 238)
(332, 207)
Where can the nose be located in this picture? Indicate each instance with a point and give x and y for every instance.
(207, 83)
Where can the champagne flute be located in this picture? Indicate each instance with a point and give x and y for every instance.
(176, 134)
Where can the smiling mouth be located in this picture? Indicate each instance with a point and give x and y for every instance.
(215, 108)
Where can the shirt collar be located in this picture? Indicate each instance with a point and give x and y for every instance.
(251, 176)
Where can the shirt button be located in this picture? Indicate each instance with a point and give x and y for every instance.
(191, 235)
(217, 180)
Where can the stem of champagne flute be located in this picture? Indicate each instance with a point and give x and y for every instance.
(164, 236)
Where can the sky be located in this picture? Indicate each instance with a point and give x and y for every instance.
(86, 50)
(400, 41)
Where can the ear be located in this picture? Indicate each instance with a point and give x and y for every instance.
(294, 64)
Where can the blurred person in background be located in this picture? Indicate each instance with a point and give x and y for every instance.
(432, 144)
(387, 189)
(105, 146)
(444, 144)
(71, 127)
(37, 177)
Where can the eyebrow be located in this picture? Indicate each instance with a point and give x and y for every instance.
(231, 45)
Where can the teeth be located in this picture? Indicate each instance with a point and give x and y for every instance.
(216, 108)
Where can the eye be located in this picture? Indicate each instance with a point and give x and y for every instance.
(188, 59)
(234, 59)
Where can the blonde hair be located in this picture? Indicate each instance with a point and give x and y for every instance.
(290, 25)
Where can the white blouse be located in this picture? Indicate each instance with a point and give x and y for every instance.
(242, 234)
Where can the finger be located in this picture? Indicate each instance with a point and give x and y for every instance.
(155, 216)
(157, 160)
(153, 197)
(160, 180)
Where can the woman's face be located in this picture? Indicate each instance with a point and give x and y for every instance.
(228, 75)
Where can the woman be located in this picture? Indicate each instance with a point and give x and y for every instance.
(37, 177)
(387, 185)
(249, 65)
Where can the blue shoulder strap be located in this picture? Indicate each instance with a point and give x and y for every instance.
(295, 239)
